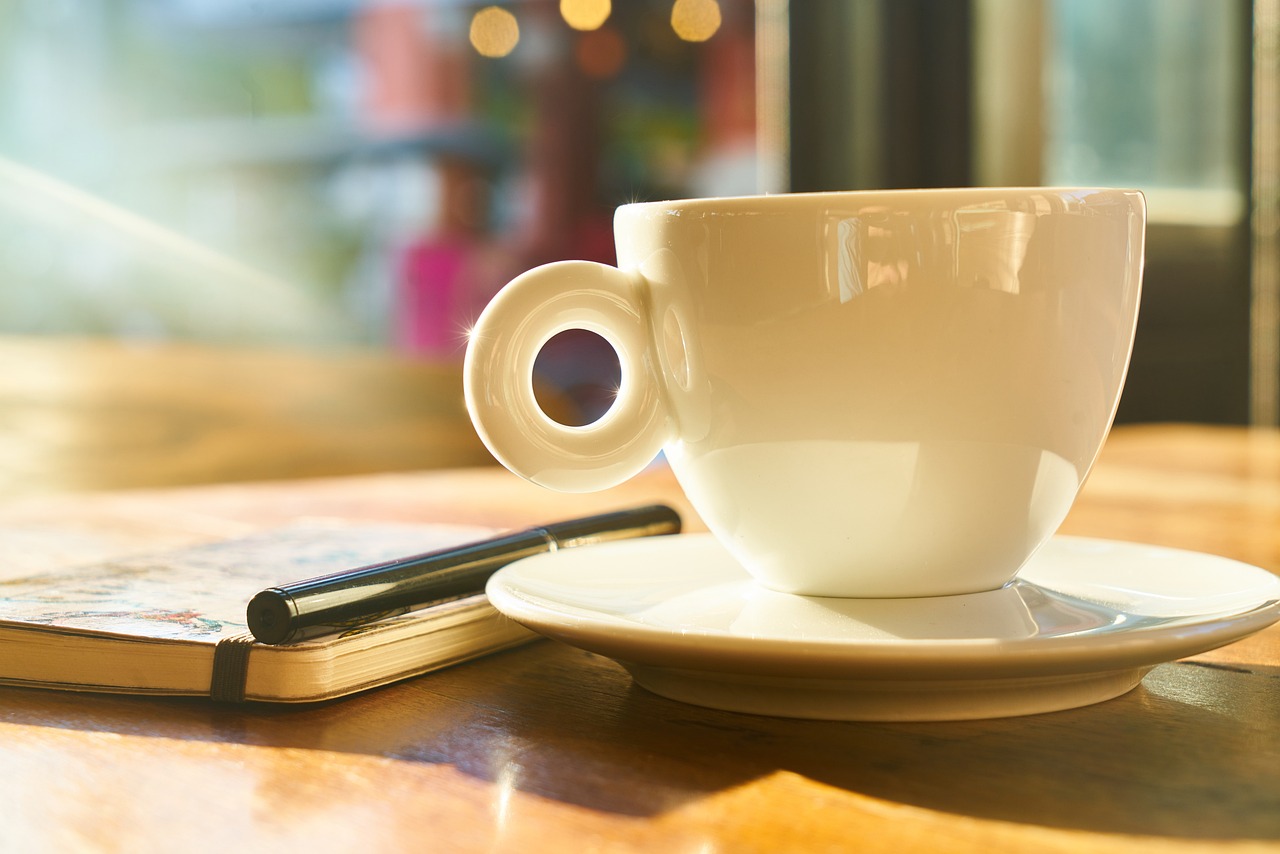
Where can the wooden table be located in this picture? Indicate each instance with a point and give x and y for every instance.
(547, 748)
(80, 414)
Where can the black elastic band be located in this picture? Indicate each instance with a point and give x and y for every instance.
(231, 668)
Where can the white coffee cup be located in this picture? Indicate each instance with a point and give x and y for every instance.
(863, 394)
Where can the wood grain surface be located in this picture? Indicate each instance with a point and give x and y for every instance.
(548, 748)
(99, 414)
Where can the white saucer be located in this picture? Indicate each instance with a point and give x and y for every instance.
(1084, 622)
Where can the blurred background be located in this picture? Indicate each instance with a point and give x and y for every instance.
(341, 173)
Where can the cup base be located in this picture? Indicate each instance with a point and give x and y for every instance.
(927, 518)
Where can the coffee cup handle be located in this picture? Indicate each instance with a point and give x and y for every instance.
(498, 377)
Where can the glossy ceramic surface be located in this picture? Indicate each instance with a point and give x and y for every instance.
(1084, 622)
(872, 394)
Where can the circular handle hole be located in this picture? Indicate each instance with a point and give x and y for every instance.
(576, 377)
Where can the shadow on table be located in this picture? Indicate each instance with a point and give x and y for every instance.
(1190, 754)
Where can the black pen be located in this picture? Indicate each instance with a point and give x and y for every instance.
(334, 603)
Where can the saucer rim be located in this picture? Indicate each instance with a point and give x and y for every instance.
(893, 659)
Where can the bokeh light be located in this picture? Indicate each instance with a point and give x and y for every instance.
(494, 32)
(695, 20)
(585, 14)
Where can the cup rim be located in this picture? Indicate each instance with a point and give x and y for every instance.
(949, 194)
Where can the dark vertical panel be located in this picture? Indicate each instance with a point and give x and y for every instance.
(822, 44)
(911, 97)
(926, 109)
(1191, 355)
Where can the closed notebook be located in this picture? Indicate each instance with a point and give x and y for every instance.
(173, 622)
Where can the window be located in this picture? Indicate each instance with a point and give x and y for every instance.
(344, 171)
